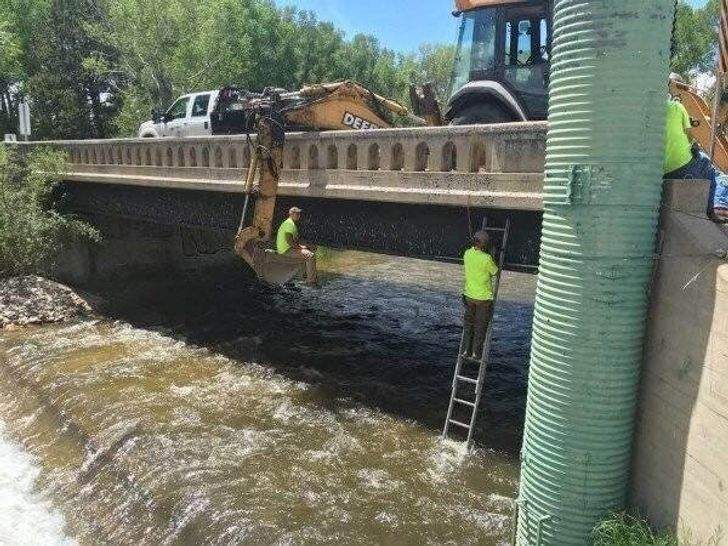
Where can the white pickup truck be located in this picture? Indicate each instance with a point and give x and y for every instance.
(188, 116)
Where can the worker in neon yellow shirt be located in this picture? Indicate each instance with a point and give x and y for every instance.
(480, 273)
(288, 244)
(683, 161)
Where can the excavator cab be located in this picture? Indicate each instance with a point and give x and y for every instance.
(502, 62)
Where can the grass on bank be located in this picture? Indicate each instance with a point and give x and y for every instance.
(625, 529)
(32, 231)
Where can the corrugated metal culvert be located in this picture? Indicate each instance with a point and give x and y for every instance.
(603, 186)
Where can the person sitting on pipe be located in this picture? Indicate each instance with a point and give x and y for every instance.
(480, 275)
(685, 161)
(289, 244)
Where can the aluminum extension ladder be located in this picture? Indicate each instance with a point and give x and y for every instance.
(459, 377)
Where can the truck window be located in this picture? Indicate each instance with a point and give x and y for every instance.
(199, 107)
(526, 49)
(178, 109)
(544, 42)
(475, 58)
(519, 45)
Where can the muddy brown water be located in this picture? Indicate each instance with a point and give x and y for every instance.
(216, 411)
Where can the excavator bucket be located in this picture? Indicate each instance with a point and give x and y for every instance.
(268, 265)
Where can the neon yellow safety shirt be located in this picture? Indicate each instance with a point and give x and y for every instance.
(287, 227)
(678, 151)
(479, 270)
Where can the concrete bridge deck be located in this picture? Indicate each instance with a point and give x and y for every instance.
(415, 192)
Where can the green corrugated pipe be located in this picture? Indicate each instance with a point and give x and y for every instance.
(602, 195)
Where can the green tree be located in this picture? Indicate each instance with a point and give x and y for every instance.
(434, 63)
(31, 229)
(68, 98)
(695, 38)
(10, 73)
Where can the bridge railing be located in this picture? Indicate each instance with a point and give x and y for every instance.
(434, 164)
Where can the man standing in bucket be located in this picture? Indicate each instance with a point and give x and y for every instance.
(480, 274)
(288, 244)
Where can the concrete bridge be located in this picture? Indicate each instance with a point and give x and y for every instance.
(414, 192)
(173, 202)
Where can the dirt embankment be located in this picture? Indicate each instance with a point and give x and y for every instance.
(37, 300)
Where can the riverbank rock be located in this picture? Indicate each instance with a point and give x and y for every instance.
(37, 300)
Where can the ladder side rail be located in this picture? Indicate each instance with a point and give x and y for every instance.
(489, 335)
(453, 392)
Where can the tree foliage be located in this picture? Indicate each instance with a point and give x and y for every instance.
(95, 68)
(31, 230)
(695, 38)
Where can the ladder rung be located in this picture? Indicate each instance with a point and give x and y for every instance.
(458, 423)
(467, 379)
(470, 359)
(461, 401)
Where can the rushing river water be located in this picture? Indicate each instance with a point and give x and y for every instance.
(213, 411)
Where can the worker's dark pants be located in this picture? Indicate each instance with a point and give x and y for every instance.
(475, 325)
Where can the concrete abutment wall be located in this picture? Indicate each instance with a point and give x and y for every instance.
(680, 468)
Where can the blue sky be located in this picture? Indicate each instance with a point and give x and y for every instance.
(399, 24)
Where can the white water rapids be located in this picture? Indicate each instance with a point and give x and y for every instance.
(240, 416)
(26, 515)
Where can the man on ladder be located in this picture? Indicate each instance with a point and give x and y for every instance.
(480, 273)
(480, 290)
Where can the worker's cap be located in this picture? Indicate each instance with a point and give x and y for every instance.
(294, 210)
(481, 236)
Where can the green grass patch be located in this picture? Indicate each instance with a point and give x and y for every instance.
(324, 254)
(625, 529)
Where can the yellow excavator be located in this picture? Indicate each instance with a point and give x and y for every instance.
(272, 113)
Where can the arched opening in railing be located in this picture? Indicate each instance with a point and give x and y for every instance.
(193, 157)
(218, 157)
(373, 157)
(128, 156)
(449, 157)
(397, 157)
(352, 157)
(86, 157)
(170, 157)
(205, 157)
(246, 157)
(295, 158)
(137, 156)
(478, 157)
(180, 157)
(422, 156)
(232, 158)
(332, 157)
(148, 157)
(313, 157)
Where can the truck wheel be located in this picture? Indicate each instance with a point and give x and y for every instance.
(481, 113)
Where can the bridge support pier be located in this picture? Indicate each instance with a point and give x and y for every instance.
(604, 156)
